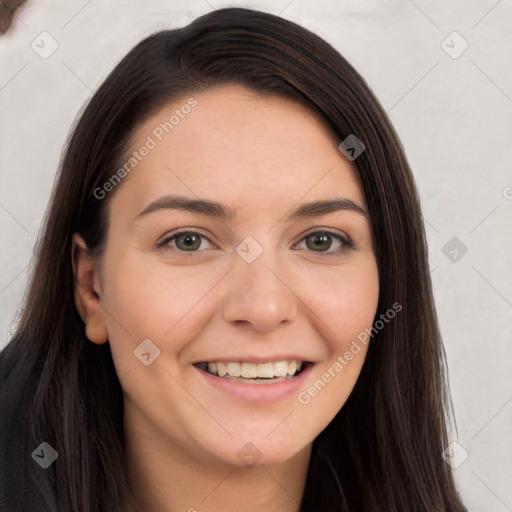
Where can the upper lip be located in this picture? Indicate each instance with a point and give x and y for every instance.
(255, 359)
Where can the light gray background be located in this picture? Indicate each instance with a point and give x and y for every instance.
(454, 117)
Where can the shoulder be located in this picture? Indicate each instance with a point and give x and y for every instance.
(16, 494)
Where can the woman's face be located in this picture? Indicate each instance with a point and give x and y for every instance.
(254, 285)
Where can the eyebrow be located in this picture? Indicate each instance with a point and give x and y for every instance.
(225, 213)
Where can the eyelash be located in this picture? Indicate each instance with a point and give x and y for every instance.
(346, 243)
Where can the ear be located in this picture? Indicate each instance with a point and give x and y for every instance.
(88, 291)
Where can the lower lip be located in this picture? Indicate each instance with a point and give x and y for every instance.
(264, 391)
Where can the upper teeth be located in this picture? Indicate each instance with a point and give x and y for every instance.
(252, 371)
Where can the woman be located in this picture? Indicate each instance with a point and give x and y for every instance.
(231, 306)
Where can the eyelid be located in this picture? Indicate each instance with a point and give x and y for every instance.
(329, 231)
(162, 242)
(344, 239)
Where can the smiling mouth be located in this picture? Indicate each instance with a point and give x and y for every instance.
(252, 372)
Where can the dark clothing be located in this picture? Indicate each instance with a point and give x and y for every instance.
(16, 493)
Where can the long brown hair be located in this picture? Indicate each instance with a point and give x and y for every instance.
(383, 450)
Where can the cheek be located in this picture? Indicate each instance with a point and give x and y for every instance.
(345, 300)
(349, 304)
(156, 301)
(336, 375)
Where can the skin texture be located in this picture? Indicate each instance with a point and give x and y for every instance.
(261, 156)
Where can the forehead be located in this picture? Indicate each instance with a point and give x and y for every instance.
(231, 143)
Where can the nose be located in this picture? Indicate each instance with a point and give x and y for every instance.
(259, 294)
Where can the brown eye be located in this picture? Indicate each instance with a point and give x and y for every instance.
(188, 242)
(184, 241)
(319, 242)
(323, 241)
